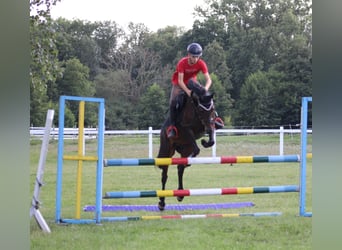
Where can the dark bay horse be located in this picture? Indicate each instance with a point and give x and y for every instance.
(197, 117)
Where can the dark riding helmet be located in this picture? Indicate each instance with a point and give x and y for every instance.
(194, 49)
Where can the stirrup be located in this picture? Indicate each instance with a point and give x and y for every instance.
(172, 132)
(218, 123)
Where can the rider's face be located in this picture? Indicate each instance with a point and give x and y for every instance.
(193, 59)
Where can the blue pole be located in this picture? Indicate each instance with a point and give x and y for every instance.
(100, 149)
(302, 186)
(60, 158)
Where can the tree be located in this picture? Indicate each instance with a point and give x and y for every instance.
(222, 99)
(295, 53)
(216, 59)
(75, 82)
(289, 101)
(107, 35)
(120, 110)
(164, 43)
(258, 34)
(120, 114)
(140, 63)
(256, 107)
(75, 39)
(243, 41)
(44, 66)
(152, 108)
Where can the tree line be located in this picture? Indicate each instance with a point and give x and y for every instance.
(259, 55)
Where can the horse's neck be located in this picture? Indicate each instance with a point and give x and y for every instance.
(188, 113)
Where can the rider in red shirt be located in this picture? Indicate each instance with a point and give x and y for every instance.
(186, 70)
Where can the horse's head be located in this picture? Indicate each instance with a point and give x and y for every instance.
(205, 109)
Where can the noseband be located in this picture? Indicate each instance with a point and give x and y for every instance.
(211, 105)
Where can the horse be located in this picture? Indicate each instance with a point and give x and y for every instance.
(196, 117)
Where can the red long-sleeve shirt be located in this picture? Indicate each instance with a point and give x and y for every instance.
(190, 71)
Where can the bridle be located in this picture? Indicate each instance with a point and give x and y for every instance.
(206, 108)
(211, 106)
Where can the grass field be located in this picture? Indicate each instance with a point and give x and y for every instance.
(288, 231)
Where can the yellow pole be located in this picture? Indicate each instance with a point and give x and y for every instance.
(80, 161)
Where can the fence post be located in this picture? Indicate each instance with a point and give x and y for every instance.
(150, 142)
(281, 140)
(214, 146)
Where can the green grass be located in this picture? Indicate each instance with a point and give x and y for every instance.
(288, 231)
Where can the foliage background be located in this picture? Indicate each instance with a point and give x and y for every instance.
(259, 54)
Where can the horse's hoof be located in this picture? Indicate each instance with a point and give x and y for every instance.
(161, 206)
(180, 198)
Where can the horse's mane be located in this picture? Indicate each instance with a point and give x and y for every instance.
(197, 88)
(204, 97)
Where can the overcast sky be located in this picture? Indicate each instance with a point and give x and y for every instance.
(155, 14)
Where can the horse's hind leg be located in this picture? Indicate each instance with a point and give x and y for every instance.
(164, 176)
(180, 180)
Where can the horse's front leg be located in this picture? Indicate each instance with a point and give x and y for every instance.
(180, 180)
(195, 149)
(161, 204)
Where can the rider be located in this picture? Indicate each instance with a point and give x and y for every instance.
(187, 69)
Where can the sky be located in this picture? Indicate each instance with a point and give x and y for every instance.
(155, 14)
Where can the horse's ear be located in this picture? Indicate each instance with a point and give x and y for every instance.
(211, 95)
(194, 96)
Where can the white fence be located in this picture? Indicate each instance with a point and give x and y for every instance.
(91, 133)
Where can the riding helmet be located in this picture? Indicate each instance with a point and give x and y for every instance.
(194, 49)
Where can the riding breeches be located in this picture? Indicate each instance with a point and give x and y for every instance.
(176, 92)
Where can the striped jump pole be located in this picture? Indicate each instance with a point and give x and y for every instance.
(170, 207)
(188, 216)
(202, 192)
(200, 160)
(178, 216)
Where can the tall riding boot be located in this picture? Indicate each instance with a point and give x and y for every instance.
(172, 131)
